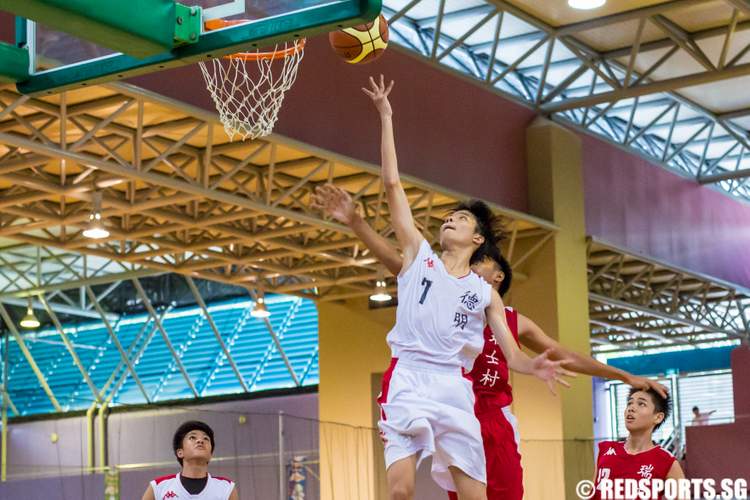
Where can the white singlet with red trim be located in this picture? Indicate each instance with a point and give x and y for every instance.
(440, 318)
(170, 488)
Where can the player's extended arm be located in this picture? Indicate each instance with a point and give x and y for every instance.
(337, 203)
(149, 495)
(540, 366)
(408, 237)
(234, 495)
(378, 245)
(533, 337)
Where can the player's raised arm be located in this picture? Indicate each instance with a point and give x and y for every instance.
(336, 202)
(401, 217)
(533, 337)
(541, 366)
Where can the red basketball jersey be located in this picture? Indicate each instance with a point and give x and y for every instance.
(615, 462)
(489, 375)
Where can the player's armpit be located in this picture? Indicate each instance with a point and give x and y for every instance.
(234, 495)
(676, 472)
(149, 494)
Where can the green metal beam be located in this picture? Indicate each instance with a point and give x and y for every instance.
(140, 28)
(213, 44)
(14, 63)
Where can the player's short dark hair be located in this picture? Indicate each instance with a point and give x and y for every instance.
(502, 263)
(184, 430)
(695, 408)
(489, 225)
(508, 272)
(661, 404)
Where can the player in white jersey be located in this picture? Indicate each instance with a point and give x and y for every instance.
(193, 445)
(427, 406)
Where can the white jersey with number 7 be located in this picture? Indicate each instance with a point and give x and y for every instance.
(440, 317)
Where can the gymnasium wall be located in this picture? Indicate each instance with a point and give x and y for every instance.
(642, 207)
(145, 437)
(714, 451)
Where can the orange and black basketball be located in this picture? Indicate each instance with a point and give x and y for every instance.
(361, 44)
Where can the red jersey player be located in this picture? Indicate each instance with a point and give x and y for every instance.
(637, 457)
(493, 393)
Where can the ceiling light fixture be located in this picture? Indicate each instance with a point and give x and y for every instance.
(95, 228)
(260, 310)
(586, 4)
(30, 321)
(381, 292)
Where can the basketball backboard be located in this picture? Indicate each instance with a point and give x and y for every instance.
(61, 60)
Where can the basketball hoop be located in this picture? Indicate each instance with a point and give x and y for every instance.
(248, 104)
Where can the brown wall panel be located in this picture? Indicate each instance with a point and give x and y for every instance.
(643, 207)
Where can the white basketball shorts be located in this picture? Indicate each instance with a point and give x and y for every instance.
(429, 410)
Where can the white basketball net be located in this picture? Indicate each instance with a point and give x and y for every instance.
(248, 104)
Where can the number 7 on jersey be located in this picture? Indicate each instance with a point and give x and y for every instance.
(426, 284)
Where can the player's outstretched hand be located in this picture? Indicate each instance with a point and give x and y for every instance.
(378, 92)
(550, 371)
(334, 202)
(645, 384)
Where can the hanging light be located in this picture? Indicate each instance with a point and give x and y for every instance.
(30, 321)
(381, 292)
(260, 310)
(586, 4)
(95, 229)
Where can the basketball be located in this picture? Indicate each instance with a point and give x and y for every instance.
(361, 44)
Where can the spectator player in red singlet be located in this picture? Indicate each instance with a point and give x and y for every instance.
(193, 445)
(638, 457)
(493, 393)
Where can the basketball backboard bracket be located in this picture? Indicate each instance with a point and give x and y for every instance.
(281, 21)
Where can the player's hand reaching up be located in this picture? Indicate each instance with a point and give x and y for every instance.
(378, 92)
(550, 371)
(334, 202)
(645, 384)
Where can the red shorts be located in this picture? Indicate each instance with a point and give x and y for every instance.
(504, 472)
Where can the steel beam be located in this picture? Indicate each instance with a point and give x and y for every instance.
(72, 284)
(664, 85)
(4, 417)
(60, 308)
(277, 343)
(71, 349)
(116, 341)
(29, 358)
(211, 323)
(724, 176)
(147, 304)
